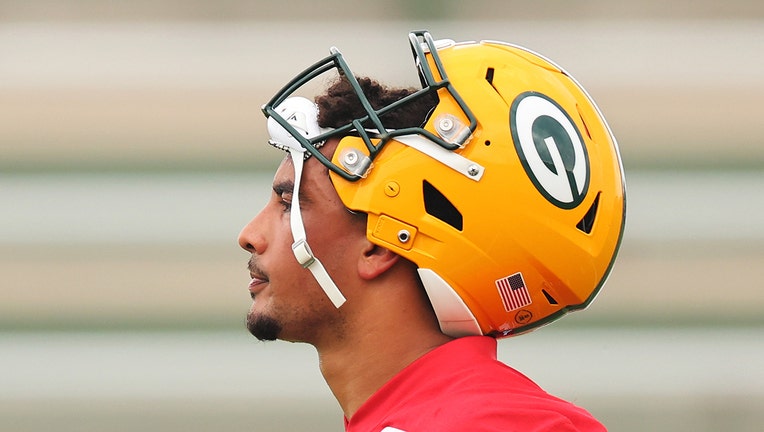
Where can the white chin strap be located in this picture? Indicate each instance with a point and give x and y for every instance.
(302, 115)
(300, 246)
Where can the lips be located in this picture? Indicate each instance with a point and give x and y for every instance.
(256, 281)
(258, 277)
(256, 284)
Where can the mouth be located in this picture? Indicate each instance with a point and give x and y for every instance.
(256, 285)
(258, 279)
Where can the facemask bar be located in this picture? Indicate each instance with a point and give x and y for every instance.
(375, 138)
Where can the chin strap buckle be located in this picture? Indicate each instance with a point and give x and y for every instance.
(302, 253)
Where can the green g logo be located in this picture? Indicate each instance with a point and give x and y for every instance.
(551, 149)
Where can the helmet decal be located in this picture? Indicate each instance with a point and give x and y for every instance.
(551, 149)
(513, 291)
(523, 316)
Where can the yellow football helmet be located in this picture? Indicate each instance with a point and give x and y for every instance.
(510, 199)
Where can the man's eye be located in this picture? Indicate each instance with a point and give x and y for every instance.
(286, 205)
(286, 201)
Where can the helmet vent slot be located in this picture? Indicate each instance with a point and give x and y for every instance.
(549, 297)
(587, 223)
(489, 77)
(436, 204)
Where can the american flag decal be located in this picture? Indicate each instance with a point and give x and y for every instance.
(514, 294)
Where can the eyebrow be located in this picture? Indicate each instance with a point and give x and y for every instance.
(287, 186)
(284, 186)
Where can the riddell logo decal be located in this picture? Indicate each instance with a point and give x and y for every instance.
(551, 149)
(523, 316)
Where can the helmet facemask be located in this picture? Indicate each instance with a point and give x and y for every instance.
(371, 127)
(293, 127)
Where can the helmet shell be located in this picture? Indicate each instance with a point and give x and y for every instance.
(549, 207)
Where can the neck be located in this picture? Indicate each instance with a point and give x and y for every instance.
(356, 368)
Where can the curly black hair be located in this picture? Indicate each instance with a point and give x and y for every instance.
(339, 105)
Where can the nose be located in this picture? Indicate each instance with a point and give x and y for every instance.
(251, 238)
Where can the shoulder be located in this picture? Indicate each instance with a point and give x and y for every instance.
(499, 419)
(476, 392)
(463, 387)
(507, 409)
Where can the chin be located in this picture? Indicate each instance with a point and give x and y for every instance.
(263, 327)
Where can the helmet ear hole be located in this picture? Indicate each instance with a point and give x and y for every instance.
(436, 204)
(587, 223)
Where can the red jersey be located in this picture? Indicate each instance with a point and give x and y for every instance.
(461, 386)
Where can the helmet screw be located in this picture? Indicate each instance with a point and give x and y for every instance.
(351, 158)
(392, 189)
(404, 236)
(446, 124)
(473, 170)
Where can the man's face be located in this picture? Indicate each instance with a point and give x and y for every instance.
(288, 303)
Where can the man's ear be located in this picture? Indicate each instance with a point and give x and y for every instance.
(375, 260)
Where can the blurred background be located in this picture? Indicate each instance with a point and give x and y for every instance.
(132, 150)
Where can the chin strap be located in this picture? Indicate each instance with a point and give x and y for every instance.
(300, 246)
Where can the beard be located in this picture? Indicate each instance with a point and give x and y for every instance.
(263, 327)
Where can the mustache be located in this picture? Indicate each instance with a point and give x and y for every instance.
(255, 269)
